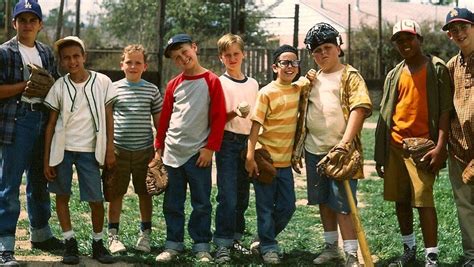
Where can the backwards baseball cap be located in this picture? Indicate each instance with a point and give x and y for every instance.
(405, 25)
(322, 33)
(72, 39)
(177, 39)
(458, 14)
(28, 6)
(282, 49)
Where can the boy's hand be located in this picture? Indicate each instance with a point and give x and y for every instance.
(436, 157)
(157, 157)
(242, 110)
(49, 173)
(110, 160)
(311, 75)
(296, 165)
(251, 167)
(205, 158)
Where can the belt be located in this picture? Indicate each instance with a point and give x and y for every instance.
(33, 106)
(235, 136)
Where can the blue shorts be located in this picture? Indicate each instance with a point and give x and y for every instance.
(323, 190)
(90, 183)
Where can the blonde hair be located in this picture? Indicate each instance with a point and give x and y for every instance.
(227, 40)
(134, 48)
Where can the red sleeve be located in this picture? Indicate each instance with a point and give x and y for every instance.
(166, 111)
(217, 113)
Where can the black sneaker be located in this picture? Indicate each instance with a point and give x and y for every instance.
(71, 253)
(8, 259)
(51, 244)
(408, 257)
(222, 255)
(100, 253)
(431, 260)
(238, 247)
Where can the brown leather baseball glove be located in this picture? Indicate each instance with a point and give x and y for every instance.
(39, 83)
(341, 162)
(108, 184)
(265, 166)
(156, 178)
(417, 147)
(468, 173)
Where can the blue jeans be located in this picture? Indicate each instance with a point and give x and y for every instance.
(275, 206)
(230, 173)
(199, 225)
(25, 154)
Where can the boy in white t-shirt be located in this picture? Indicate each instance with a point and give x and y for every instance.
(233, 185)
(80, 132)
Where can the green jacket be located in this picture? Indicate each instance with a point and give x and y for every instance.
(439, 95)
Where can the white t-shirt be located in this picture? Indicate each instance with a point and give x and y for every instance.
(325, 119)
(79, 128)
(29, 55)
(236, 91)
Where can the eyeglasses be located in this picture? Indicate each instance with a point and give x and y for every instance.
(458, 28)
(286, 63)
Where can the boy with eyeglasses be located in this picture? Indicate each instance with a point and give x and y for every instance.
(337, 105)
(459, 27)
(416, 103)
(275, 112)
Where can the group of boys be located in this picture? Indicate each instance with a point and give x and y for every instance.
(87, 121)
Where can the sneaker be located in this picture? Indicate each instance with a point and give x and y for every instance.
(408, 256)
(271, 257)
(51, 244)
(100, 253)
(469, 263)
(431, 260)
(143, 242)
(71, 253)
(237, 246)
(203, 256)
(329, 253)
(222, 255)
(8, 259)
(115, 245)
(255, 247)
(351, 260)
(167, 255)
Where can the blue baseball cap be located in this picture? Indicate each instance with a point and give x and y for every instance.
(177, 39)
(28, 6)
(458, 14)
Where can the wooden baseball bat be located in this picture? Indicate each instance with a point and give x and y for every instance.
(364, 246)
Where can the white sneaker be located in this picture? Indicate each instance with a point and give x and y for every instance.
(329, 253)
(115, 246)
(143, 242)
(271, 257)
(255, 246)
(203, 256)
(167, 255)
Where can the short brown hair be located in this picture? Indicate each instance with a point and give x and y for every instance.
(227, 40)
(134, 48)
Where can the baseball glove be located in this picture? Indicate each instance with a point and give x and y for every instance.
(417, 147)
(265, 165)
(108, 182)
(39, 83)
(468, 173)
(341, 162)
(156, 178)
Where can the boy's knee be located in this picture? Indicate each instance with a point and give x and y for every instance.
(96, 205)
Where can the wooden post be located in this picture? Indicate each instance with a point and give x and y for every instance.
(379, 47)
(78, 18)
(8, 19)
(349, 50)
(161, 34)
(296, 25)
(59, 25)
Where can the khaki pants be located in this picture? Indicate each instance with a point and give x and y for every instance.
(464, 198)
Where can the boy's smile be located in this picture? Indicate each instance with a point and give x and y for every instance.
(407, 44)
(286, 74)
(72, 59)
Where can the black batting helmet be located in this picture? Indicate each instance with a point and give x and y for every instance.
(322, 33)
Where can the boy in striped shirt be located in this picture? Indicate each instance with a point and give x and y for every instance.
(275, 113)
(138, 105)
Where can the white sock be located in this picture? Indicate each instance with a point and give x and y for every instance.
(431, 250)
(97, 236)
(409, 240)
(68, 234)
(350, 246)
(330, 237)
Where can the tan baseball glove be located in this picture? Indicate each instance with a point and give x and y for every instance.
(156, 178)
(468, 173)
(39, 83)
(265, 166)
(108, 184)
(417, 147)
(341, 162)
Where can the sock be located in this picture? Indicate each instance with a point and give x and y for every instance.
(97, 236)
(409, 240)
(330, 237)
(434, 250)
(68, 234)
(145, 226)
(114, 226)
(350, 246)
